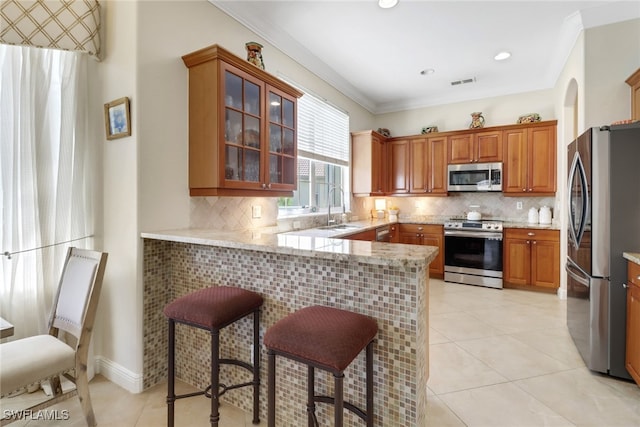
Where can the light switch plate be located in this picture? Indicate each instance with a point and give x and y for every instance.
(256, 211)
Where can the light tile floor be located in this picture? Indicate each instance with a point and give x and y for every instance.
(497, 358)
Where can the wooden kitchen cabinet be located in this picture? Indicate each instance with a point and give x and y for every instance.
(634, 82)
(531, 258)
(418, 166)
(242, 127)
(429, 235)
(369, 172)
(529, 167)
(400, 166)
(632, 361)
(475, 147)
(367, 235)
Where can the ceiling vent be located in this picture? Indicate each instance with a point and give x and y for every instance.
(463, 81)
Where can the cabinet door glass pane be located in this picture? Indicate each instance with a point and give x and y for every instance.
(287, 112)
(288, 142)
(288, 170)
(251, 98)
(274, 169)
(233, 90)
(275, 139)
(252, 158)
(252, 132)
(233, 167)
(233, 126)
(275, 105)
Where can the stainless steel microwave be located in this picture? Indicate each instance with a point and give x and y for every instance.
(475, 177)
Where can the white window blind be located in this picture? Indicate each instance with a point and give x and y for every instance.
(323, 131)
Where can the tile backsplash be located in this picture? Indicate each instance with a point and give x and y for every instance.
(236, 213)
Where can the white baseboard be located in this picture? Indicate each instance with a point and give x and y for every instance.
(562, 293)
(119, 375)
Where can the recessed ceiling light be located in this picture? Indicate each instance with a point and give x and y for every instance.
(387, 4)
(502, 56)
(427, 71)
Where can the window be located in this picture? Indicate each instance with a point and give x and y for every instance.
(323, 159)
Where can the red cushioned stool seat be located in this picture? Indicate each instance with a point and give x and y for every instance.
(326, 338)
(213, 309)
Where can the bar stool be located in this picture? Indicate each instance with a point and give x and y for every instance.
(212, 309)
(325, 338)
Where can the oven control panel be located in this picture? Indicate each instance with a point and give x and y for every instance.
(473, 225)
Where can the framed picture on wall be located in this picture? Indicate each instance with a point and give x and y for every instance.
(116, 118)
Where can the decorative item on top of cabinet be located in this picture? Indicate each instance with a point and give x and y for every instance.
(242, 128)
(531, 259)
(429, 129)
(477, 120)
(529, 166)
(634, 82)
(254, 54)
(529, 118)
(369, 172)
(429, 235)
(384, 132)
(632, 359)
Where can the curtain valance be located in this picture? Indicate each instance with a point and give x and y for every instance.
(57, 24)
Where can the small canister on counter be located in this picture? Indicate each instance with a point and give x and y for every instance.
(533, 216)
(545, 215)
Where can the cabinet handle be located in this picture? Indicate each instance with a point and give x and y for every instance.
(531, 234)
(420, 228)
(269, 186)
(264, 185)
(624, 285)
(638, 278)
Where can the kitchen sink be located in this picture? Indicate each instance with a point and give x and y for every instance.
(340, 227)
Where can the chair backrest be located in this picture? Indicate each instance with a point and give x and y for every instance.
(76, 301)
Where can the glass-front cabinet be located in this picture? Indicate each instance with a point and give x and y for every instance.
(242, 128)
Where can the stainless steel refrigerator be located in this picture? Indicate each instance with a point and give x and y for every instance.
(604, 222)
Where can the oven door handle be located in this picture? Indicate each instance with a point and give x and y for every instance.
(473, 234)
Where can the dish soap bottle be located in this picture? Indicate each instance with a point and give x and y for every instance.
(533, 216)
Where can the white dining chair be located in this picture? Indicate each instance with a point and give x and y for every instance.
(29, 361)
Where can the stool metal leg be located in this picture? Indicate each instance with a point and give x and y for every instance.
(271, 399)
(171, 392)
(339, 399)
(256, 367)
(312, 421)
(369, 384)
(215, 377)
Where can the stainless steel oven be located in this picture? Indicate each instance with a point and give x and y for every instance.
(473, 253)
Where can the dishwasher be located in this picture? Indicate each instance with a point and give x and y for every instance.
(383, 234)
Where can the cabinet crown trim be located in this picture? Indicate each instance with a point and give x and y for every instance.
(215, 51)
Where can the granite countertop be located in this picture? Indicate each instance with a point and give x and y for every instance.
(336, 249)
(632, 256)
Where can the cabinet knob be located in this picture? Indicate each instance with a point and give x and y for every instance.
(269, 186)
(534, 242)
(528, 242)
(524, 189)
(531, 189)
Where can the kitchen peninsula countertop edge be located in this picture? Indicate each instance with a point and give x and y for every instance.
(336, 249)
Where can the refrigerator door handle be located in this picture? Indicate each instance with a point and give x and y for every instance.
(569, 267)
(577, 167)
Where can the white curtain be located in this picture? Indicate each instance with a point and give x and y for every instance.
(46, 177)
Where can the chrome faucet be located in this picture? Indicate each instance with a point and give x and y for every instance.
(344, 209)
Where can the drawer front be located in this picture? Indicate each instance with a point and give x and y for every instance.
(634, 273)
(532, 234)
(420, 228)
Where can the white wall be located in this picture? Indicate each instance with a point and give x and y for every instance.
(612, 54)
(497, 111)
